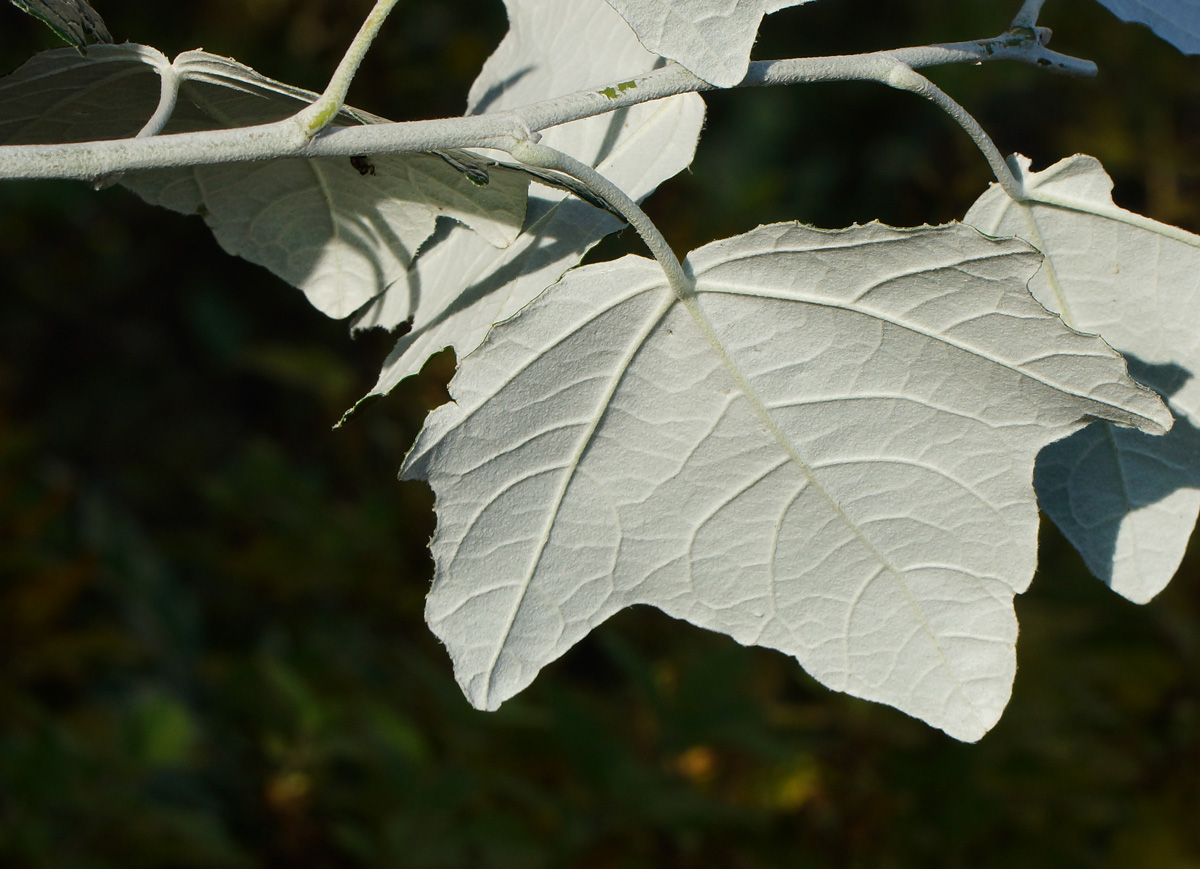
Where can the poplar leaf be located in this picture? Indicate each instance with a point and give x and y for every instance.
(711, 38)
(1128, 502)
(75, 21)
(461, 287)
(827, 450)
(342, 231)
(1176, 21)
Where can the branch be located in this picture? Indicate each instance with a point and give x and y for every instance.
(90, 160)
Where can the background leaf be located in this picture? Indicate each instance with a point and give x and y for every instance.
(1176, 21)
(711, 38)
(74, 20)
(340, 233)
(109, 93)
(1127, 501)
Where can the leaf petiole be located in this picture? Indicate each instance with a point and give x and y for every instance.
(1028, 14)
(903, 77)
(316, 117)
(544, 157)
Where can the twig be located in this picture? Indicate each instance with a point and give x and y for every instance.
(90, 160)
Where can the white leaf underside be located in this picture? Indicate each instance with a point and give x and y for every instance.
(829, 452)
(1176, 21)
(710, 38)
(1128, 502)
(340, 236)
(460, 287)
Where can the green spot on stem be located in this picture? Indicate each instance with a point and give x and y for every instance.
(613, 92)
(321, 119)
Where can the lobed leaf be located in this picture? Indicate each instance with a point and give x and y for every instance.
(710, 38)
(1126, 501)
(827, 450)
(460, 287)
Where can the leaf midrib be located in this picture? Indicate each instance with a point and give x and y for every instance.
(691, 303)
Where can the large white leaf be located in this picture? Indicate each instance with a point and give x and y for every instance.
(460, 287)
(827, 451)
(1128, 502)
(711, 38)
(341, 234)
(1176, 21)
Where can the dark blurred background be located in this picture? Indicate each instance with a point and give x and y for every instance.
(212, 651)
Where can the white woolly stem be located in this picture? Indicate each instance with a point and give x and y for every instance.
(168, 95)
(903, 77)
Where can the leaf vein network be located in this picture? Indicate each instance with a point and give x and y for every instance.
(572, 467)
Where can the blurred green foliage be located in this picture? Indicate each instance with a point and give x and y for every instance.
(211, 642)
